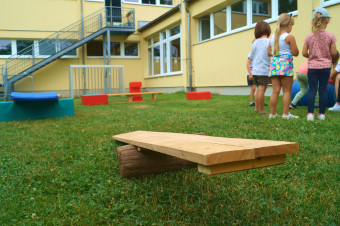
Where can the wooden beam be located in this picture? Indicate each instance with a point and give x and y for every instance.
(126, 94)
(242, 165)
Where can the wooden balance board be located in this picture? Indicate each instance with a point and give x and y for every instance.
(213, 155)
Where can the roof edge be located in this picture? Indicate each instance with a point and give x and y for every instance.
(163, 16)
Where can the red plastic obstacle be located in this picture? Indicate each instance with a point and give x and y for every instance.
(135, 88)
(96, 99)
(202, 95)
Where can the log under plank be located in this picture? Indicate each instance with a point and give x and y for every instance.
(133, 162)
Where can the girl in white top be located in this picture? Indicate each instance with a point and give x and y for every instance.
(282, 47)
(261, 62)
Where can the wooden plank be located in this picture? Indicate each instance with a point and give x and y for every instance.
(126, 94)
(206, 150)
(242, 165)
(133, 162)
(200, 152)
(262, 147)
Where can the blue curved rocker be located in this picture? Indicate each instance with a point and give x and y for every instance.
(35, 106)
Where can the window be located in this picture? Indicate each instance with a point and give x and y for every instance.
(239, 7)
(165, 2)
(5, 47)
(23, 47)
(174, 31)
(118, 49)
(243, 14)
(65, 44)
(115, 48)
(49, 47)
(156, 39)
(164, 52)
(131, 49)
(239, 15)
(205, 27)
(220, 22)
(261, 10)
(156, 60)
(287, 6)
(329, 2)
(151, 2)
(175, 55)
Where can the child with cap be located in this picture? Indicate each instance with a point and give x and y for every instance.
(319, 47)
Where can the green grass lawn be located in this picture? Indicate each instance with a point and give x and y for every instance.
(64, 171)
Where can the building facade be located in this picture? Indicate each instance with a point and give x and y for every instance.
(174, 45)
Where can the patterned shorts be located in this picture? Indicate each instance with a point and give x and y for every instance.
(281, 65)
(261, 80)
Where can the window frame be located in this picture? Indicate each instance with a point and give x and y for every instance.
(36, 51)
(167, 42)
(324, 3)
(249, 13)
(140, 3)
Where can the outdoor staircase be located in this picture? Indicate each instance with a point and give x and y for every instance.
(109, 20)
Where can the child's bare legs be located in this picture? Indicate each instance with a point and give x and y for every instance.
(257, 106)
(252, 93)
(260, 98)
(286, 82)
(336, 84)
(276, 85)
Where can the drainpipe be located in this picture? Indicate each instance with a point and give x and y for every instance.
(82, 18)
(189, 45)
(83, 46)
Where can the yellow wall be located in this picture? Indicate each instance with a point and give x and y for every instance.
(221, 61)
(217, 62)
(37, 19)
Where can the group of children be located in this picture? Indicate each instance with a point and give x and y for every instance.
(271, 62)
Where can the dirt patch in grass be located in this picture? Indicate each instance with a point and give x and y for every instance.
(143, 106)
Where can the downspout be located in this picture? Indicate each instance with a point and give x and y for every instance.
(82, 18)
(83, 46)
(189, 45)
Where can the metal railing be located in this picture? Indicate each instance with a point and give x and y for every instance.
(66, 37)
(96, 79)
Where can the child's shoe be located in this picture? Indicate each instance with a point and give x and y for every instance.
(336, 107)
(252, 104)
(292, 106)
(321, 116)
(310, 117)
(273, 116)
(292, 116)
(289, 116)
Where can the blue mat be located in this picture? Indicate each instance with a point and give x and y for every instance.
(47, 96)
